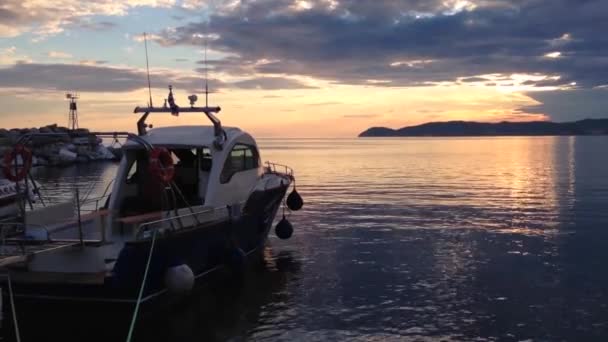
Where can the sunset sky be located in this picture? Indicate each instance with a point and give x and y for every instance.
(317, 68)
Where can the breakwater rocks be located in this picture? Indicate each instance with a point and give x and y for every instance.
(60, 146)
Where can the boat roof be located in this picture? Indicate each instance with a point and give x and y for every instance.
(195, 136)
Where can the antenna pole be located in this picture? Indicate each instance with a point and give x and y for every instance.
(148, 69)
(206, 75)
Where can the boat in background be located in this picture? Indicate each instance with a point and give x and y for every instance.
(10, 195)
(185, 202)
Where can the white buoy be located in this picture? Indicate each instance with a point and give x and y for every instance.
(179, 279)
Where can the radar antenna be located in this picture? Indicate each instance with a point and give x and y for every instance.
(174, 109)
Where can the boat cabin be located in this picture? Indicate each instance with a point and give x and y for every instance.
(203, 174)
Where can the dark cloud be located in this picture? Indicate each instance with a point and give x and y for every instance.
(564, 105)
(99, 78)
(71, 76)
(411, 42)
(96, 26)
(473, 79)
(269, 83)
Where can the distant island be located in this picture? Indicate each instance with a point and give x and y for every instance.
(470, 128)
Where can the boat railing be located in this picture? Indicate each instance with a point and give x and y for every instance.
(87, 205)
(175, 222)
(104, 197)
(279, 169)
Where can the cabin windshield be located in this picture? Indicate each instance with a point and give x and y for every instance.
(145, 193)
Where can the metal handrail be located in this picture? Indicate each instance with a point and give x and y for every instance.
(144, 226)
(95, 200)
(272, 168)
(130, 136)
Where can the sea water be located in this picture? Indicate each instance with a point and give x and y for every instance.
(437, 239)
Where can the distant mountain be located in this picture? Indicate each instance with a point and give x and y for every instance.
(470, 128)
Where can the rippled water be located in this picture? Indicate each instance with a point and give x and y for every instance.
(416, 239)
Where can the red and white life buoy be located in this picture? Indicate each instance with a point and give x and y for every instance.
(161, 164)
(13, 170)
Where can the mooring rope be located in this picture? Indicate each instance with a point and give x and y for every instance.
(10, 294)
(141, 289)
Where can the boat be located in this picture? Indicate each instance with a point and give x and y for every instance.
(10, 194)
(186, 201)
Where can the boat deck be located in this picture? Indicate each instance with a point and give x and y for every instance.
(13, 252)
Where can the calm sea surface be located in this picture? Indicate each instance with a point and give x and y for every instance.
(419, 239)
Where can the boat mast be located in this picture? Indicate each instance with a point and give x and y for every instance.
(206, 73)
(148, 70)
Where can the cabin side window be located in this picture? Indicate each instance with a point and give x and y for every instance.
(241, 158)
(205, 159)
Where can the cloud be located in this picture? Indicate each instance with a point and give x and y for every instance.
(45, 18)
(10, 55)
(567, 105)
(324, 104)
(270, 83)
(96, 26)
(92, 76)
(360, 116)
(58, 55)
(410, 42)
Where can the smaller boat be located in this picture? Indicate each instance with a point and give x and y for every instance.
(185, 202)
(10, 196)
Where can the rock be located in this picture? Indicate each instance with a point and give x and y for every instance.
(52, 127)
(61, 129)
(60, 146)
(40, 161)
(83, 159)
(116, 151)
(81, 141)
(81, 131)
(104, 153)
(66, 156)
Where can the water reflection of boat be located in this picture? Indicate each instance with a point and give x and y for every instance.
(186, 201)
(219, 310)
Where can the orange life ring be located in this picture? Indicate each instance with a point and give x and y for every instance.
(12, 171)
(161, 164)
